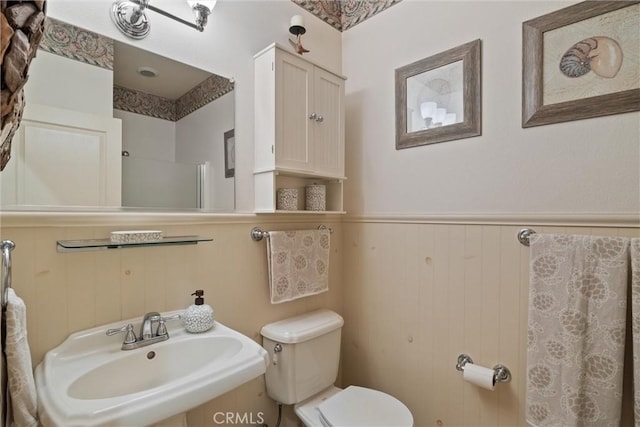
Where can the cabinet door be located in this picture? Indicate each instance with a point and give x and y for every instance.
(328, 129)
(294, 95)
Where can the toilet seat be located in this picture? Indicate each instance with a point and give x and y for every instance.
(359, 406)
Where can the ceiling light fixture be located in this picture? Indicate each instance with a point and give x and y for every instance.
(148, 72)
(131, 19)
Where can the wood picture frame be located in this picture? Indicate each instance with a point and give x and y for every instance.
(585, 26)
(450, 81)
(229, 154)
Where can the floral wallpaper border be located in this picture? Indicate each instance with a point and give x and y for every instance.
(76, 43)
(135, 101)
(343, 15)
(146, 104)
(209, 90)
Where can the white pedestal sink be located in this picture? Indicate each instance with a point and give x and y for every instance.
(89, 381)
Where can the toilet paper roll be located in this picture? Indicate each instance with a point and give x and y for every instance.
(479, 375)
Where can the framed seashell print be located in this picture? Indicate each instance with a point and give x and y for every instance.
(580, 62)
(439, 98)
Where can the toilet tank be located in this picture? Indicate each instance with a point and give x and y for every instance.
(308, 360)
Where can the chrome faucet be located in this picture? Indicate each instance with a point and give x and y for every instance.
(146, 327)
(147, 334)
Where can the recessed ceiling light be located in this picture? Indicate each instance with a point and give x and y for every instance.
(148, 72)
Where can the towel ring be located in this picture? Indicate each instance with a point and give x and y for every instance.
(6, 246)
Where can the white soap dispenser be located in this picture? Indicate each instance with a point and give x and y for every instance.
(199, 316)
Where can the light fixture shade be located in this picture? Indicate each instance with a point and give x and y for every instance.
(209, 4)
(297, 20)
(428, 109)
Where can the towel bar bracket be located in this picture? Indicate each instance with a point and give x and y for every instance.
(258, 234)
(524, 235)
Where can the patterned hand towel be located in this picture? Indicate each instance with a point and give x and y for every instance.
(576, 330)
(22, 399)
(635, 328)
(298, 264)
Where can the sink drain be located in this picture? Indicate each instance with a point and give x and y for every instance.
(151, 355)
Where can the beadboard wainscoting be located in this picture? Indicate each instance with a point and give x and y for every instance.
(67, 292)
(414, 292)
(418, 294)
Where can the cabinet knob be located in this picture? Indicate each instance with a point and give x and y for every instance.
(319, 119)
(313, 116)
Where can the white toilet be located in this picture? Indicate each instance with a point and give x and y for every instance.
(304, 352)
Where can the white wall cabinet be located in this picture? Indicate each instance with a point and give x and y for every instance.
(299, 128)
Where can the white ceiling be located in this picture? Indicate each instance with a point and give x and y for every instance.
(173, 80)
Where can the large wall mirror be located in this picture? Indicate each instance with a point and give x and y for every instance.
(108, 125)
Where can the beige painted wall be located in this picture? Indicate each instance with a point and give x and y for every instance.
(424, 281)
(67, 292)
(419, 294)
(582, 166)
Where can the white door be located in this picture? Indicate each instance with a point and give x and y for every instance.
(64, 158)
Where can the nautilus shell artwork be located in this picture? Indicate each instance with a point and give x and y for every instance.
(602, 55)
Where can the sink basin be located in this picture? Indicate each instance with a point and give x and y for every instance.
(166, 365)
(89, 381)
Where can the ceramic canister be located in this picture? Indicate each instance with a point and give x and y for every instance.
(316, 197)
(287, 199)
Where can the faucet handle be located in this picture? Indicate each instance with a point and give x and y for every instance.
(130, 336)
(162, 328)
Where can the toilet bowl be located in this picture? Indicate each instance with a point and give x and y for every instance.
(354, 407)
(305, 352)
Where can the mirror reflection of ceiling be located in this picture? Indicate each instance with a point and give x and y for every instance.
(343, 15)
(176, 90)
(173, 78)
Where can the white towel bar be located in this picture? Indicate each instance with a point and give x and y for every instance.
(258, 233)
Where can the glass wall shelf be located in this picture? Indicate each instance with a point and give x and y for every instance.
(99, 244)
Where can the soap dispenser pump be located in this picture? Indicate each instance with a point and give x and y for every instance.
(199, 316)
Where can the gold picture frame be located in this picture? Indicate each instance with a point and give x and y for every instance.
(560, 81)
(439, 98)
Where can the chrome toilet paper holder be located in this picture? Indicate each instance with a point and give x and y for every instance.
(501, 373)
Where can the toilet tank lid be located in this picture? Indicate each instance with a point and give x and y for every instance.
(303, 327)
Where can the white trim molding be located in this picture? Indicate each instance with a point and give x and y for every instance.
(599, 219)
(24, 219)
(117, 217)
